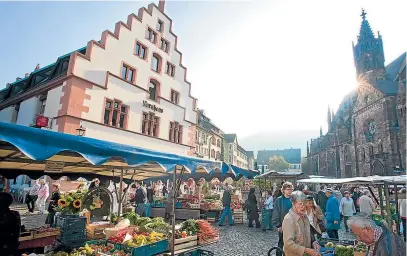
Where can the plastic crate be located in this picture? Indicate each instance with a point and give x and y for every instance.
(73, 235)
(71, 222)
(72, 243)
(198, 252)
(150, 249)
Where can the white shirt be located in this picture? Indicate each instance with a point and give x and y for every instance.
(311, 218)
(269, 203)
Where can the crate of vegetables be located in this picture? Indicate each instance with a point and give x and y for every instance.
(206, 233)
(186, 236)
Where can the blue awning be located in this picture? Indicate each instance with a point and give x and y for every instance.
(41, 145)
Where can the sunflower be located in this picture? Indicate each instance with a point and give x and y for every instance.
(62, 203)
(77, 203)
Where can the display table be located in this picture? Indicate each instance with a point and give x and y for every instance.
(180, 214)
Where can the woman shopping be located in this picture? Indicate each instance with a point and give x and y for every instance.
(315, 216)
(297, 236)
(53, 204)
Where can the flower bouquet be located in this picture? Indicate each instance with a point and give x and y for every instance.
(70, 203)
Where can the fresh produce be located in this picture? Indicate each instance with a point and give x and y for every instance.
(132, 217)
(341, 250)
(101, 248)
(190, 227)
(113, 218)
(211, 204)
(140, 239)
(330, 245)
(361, 247)
(206, 231)
(180, 234)
(118, 239)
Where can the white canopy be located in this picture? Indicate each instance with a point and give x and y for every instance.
(402, 179)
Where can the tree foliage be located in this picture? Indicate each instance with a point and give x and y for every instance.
(278, 164)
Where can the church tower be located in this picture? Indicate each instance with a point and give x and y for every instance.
(368, 52)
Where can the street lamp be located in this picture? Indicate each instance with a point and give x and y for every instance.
(80, 131)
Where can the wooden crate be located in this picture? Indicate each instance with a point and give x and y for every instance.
(211, 220)
(26, 236)
(238, 216)
(187, 242)
(46, 234)
(210, 241)
(95, 232)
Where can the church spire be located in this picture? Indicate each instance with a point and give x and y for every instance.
(320, 131)
(329, 119)
(368, 52)
(365, 30)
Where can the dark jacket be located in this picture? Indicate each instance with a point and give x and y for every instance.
(54, 201)
(321, 200)
(252, 206)
(226, 199)
(389, 244)
(282, 206)
(150, 194)
(10, 228)
(139, 197)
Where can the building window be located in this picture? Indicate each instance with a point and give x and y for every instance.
(230, 147)
(363, 153)
(218, 155)
(230, 159)
(43, 101)
(175, 132)
(371, 152)
(218, 143)
(160, 26)
(141, 50)
(212, 153)
(151, 35)
(156, 63)
(128, 73)
(164, 45)
(170, 70)
(174, 97)
(153, 89)
(115, 114)
(150, 124)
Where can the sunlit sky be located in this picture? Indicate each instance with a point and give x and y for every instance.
(254, 66)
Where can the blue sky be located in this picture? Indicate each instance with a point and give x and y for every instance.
(254, 66)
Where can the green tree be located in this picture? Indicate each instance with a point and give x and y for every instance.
(278, 164)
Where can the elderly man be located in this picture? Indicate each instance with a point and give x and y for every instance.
(381, 241)
(366, 204)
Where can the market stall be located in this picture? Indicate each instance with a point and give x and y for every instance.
(388, 212)
(55, 154)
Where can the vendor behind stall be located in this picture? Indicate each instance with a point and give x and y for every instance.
(381, 241)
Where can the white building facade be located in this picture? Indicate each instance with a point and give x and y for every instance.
(208, 139)
(234, 154)
(129, 88)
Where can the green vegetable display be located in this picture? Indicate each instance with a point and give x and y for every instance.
(341, 250)
(361, 247)
(190, 226)
(132, 217)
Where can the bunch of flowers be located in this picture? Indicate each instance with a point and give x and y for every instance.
(70, 202)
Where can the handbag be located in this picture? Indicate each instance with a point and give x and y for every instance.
(321, 224)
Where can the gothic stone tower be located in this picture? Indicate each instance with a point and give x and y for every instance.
(368, 52)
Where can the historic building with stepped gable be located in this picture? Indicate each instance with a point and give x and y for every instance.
(367, 134)
(130, 87)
